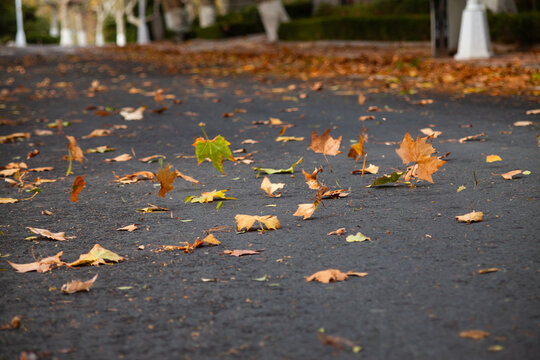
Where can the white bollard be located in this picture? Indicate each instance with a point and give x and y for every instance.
(207, 16)
(272, 14)
(474, 39)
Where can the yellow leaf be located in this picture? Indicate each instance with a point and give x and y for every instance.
(246, 222)
(211, 240)
(475, 216)
(474, 334)
(493, 158)
(96, 256)
(305, 210)
(270, 187)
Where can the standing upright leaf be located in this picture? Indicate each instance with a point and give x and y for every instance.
(419, 152)
(165, 177)
(357, 150)
(215, 150)
(325, 144)
(76, 188)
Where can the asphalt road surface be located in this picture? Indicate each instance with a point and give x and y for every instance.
(423, 287)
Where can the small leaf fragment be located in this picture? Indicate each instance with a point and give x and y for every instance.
(474, 334)
(270, 171)
(128, 228)
(78, 285)
(461, 188)
(338, 232)
(76, 188)
(487, 271)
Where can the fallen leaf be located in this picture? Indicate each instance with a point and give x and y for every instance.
(371, 169)
(135, 177)
(152, 158)
(509, 175)
(12, 200)
(98, 133)
(338, 232)
(493, 158)
(361, 99)
(487, 271)
(123, 157)
(186, 177)
(165, 177)
(339, 342)
(474, 334)
(60, 236)
(326, 276)
(288, 138)
(249, 141)
(100, 149)
(129, 228)
(76, 151)
(78, 285)
(532, 112)
(96, 256)
(32, 153)
(334, 194)
(366, 117)
(325, 144)
(246, 222)
(14, 324)
(523, 123)
(152, 208)
(474, 216)
(76, 188)
(43, 265)
(425, 102)
(211, 240)
(359, 237)
(419, 152)
(207, 197)
(357, 150)
(306, 210)
(311, 179)
(13, 137)
(40, 132)
(41, 169)
(461, 188)
(317, 86)
(158, 96)
(216, 150)
(471, 137)
(129, 114)
(430, 132)
(387, 179)
(239, 253)
(270, 171)
(270, 187)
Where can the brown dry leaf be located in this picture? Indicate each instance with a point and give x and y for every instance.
(357, 274)
(366, 117)
(41, 169)
(76, 188)
(532, 112)
(78, 285)
(96, 256)
(12, 200)
(186, 177)
(306, 210)
(61, 236)
(14, 324)
(98, 133)
(161, 110)
(123, 157)
(239, 253)
(339, 342)
(317, 86)
(334, 194)
(509, 175)
(152, 157)
(425, 102)
(361, 99)
(270, 188)
(135, 177)
(249, 141)
(13, 137)
(165, 177)
(338, 232)
(40, 132)
(523, 123)
(474, 334)
(474, 216)
(487, 271)
(472, 137)
(419, 152)
(311, 179)
(9, 172)
(326, 276)
(43, 265)
(130, 114)
(129, 228)
(32, 153)
(211, 240)
(76, 151)
(357, 150)
(325, 144)
(246, 222)
(430, 132)
(158, 96)
(288, 138)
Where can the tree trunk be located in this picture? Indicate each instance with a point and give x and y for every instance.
(100, 19)
(120, 27)
(142, 29)
(66, 38)
(272, 14)
(53, 31)
(81, 33)
(157, 23)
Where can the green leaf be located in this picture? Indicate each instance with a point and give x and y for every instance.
(269, 171)
(357, 238)
(207, 197)
(461, 188)
(262, 278)
(526, 172)
(125, 287)
(216, 150)
(386, 179)
(219, 205)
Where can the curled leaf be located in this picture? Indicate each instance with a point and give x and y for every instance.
(474, 216)
(271, 222)
(76, 188)
(43, 265)
(269, 187)
(61, 236)
(78, 285)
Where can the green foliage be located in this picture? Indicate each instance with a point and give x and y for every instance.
(521, 28)
(36, 28)
(385, 28)
(378, 7)
(109, 31)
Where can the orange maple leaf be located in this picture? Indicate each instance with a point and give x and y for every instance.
(357, 150)
(420, 153)
(76, 188)
(311, 179)
(165, 177)
(325, 144)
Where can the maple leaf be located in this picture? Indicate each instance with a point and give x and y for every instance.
(419, 152)
(98, 255)
(246, 222)
(76, 151)
(76, 188)
(216, 150)
(270, 188)
(325, 144)
(474, 216)
(270, 171)
(357, 150)
(100, 149)
(329, 275)
(207, 197)
(78, 285)
(211, 240)
(306, 210)
(239, 253)
(43, 265)
(165, 177)
(311, 179)
(61, 236)
(474, 334)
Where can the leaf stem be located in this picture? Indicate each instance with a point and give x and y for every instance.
(70, 159)
(201, 125)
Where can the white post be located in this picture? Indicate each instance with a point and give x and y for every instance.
(20, 38)
(53, 31)
(142, 29)
(474, 39)
(272, 14)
